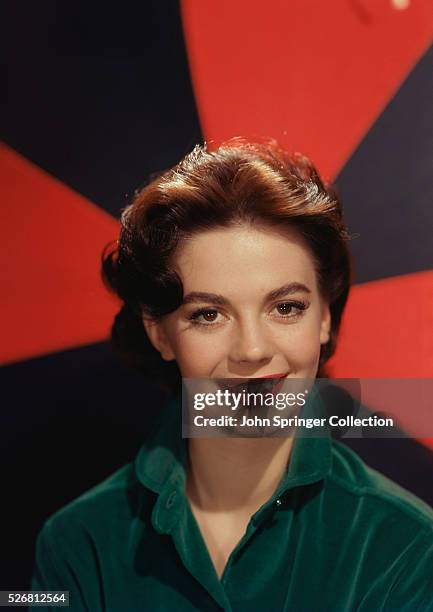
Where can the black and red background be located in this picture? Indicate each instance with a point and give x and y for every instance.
(98, 96)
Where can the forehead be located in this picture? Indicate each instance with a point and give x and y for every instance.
(244, 261)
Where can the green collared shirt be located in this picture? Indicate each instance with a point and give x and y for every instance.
(336, 535)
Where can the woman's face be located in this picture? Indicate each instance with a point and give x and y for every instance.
(251, 307)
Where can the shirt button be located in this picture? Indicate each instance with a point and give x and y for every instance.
(171, 499)
(278, 503)
(178, 479)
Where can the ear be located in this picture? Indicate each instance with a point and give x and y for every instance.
(325, 326)
(158, 338)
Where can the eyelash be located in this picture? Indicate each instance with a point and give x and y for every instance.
(194, 317)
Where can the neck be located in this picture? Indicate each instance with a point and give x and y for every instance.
(235, 474)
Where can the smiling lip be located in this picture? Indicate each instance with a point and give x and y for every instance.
(280, 375)
(234, 382)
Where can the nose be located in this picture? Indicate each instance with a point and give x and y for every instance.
(250, 344)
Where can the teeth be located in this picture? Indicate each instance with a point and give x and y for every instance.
(263, 385)
(252, 385)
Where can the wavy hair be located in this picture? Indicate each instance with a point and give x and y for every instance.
(238, 183)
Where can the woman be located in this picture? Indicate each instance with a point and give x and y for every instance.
(234, 264)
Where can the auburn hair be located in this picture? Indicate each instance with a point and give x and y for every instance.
(238, 183)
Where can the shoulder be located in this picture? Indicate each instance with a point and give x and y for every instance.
(76, 544)
(388, 525)
(357, 479)
(119, 497)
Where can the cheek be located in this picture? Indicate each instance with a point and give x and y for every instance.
(301, 344)
(197, 353)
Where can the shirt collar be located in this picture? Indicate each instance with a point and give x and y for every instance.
(161, 467)
(310, 459)
(163, 457)
(164, 451)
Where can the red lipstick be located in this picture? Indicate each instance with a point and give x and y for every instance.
(280, 375)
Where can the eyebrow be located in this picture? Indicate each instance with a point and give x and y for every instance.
(214, 298)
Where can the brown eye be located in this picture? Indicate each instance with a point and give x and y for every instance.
(285, 309)
(205, 317)
(290, 310)
(209, 315)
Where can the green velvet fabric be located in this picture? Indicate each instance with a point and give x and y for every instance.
(336, 535)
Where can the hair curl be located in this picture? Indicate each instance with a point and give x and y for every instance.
(238, 183)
